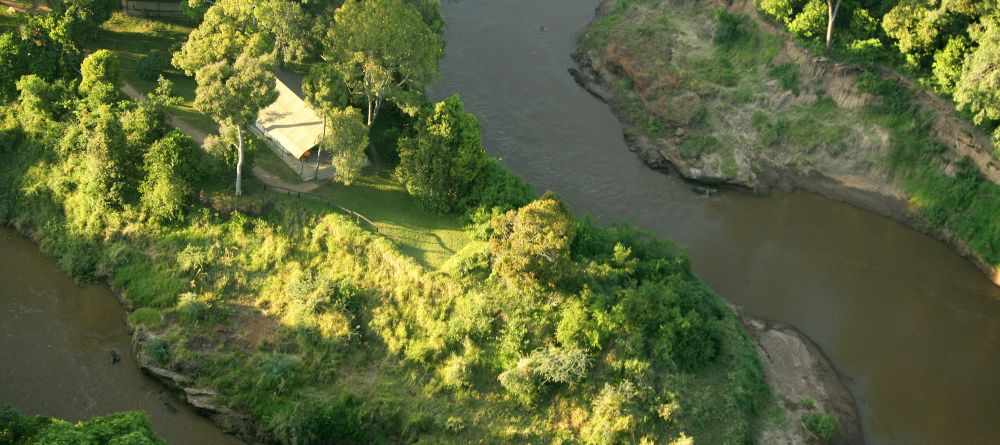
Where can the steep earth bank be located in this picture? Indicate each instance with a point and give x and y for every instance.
(759, 113)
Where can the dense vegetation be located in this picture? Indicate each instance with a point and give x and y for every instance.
(542, 328)
(950, 45)
(127, 428)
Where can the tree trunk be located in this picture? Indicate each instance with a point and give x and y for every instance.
(239, 161)
(319, 149)
(831, 14)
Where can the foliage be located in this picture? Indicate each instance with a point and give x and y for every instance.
(442, 161)
(346, 141)
(325, 89)
(170, 166)
(978, 88)
(532, 244)
(100, 75)
(130, 427)
(824, 426)
(384, 51)
(612, 415)
(233, 28)
(151, 66)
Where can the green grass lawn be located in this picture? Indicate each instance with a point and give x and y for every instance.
(428, 237)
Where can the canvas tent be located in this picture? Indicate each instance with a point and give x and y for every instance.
(290, 124)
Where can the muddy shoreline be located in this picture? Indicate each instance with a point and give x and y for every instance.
(593, 76)
(797, 370)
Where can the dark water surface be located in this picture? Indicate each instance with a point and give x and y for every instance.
(55, 342)
(914, 327)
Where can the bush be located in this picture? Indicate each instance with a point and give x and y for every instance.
(732, 28)
(158, 350)
(612, 415)
(822, 425)
(151, 66)
(191, 309)
(561, 365)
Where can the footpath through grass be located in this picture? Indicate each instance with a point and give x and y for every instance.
(132, 38)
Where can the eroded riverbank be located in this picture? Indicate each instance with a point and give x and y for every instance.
(764, 126)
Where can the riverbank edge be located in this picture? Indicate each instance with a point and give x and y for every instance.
(802, 379)
(598, 83)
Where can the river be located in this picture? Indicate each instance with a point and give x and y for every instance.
(913, 327)
(55, 343)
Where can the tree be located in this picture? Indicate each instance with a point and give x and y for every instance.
(809, 23)
(440, 163)
(532, 244)
(235, 27)
(384, 51)
(234, 95)
(169, 165)
(978, 89)
(915, 27)
(79, 20)
(325, 91)
(100, 75)
(10, 65)
(832, 6)
(347, 140)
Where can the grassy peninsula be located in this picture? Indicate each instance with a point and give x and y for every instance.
(472, 311)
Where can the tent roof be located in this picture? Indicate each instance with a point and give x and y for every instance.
(290, 123)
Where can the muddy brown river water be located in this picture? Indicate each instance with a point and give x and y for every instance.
(55, 343)
(913, 327)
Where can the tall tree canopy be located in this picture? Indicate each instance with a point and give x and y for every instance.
(233, 27)
(346, 140)
(978, 89)
(384, 50)
(440, 163)
(234, 95)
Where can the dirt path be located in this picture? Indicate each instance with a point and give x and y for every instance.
(272, 180)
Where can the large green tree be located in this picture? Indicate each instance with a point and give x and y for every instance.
(325, 91)
(235, 27)
(531, 245)
(347, 140)
(440, 163)
(234, 95)
(170, 167)
(384, 50)
(978, 88)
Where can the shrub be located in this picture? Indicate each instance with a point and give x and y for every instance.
(520, 381)
(158, 350)
(732, 28)
(822, 425)
(611, 416)
(191, 309)
(561, 365)
(151, 66)
(497, 190)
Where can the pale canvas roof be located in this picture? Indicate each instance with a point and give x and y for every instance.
(290, 123)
